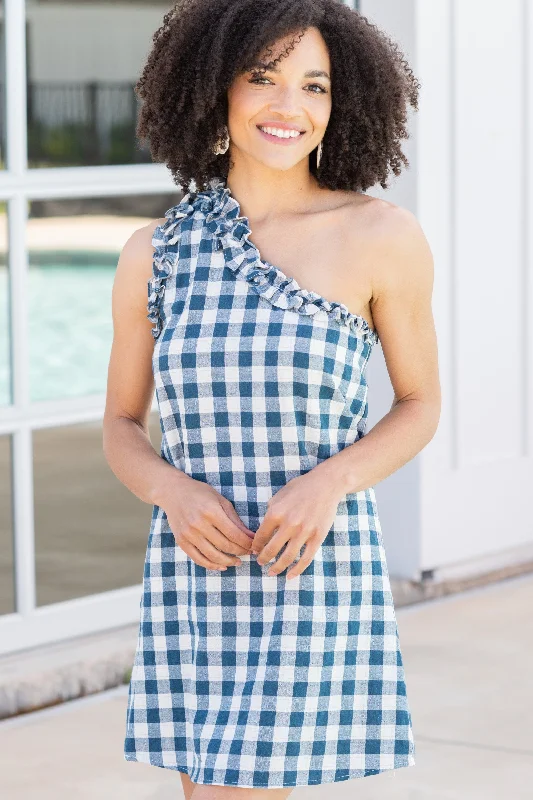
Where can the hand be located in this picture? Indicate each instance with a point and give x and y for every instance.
(303, 512)
(205, 524)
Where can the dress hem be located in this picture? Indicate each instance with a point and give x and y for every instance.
(350, 775)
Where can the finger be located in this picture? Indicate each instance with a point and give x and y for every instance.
(227, 521)
(264, 532)
(222, 543)
(201, 539)
(218, 538)
(272, 548)
(290, 553)
(229, 508)
(208, 544)
(206, 524)
(198, 557)
(302, 564)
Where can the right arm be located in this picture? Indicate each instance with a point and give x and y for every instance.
(204, 523)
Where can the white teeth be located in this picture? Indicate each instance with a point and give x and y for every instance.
(281, 132)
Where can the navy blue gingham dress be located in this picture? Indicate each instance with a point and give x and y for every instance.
(240, 678)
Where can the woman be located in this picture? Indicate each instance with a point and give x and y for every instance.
(268, 654)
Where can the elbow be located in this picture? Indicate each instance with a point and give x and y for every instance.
(432, 413)
(110, 426)
(425, 415)
(107, 437)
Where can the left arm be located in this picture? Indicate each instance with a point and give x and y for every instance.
(402, 314)
(402, 284)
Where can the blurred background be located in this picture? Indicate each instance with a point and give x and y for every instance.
(75, 183)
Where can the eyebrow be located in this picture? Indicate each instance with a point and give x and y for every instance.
(311, 73)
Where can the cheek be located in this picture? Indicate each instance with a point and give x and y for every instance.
(320, 116)
(242, 103)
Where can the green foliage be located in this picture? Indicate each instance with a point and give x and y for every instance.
(122, 144)
(76, 144)
(60, 145)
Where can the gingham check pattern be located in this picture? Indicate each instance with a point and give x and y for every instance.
(240, 678)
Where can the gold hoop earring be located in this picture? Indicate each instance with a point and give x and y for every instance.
(222, 145)
(319, 153)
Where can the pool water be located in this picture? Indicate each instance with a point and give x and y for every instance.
(70, 330)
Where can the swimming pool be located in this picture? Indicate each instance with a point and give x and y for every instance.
(70, 330)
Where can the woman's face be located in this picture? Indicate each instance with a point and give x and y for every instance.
(296, 95)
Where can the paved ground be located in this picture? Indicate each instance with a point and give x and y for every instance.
(469, 667)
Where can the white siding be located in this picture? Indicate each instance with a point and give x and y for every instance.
(469, 496)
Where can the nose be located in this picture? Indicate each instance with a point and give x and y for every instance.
(287, 100)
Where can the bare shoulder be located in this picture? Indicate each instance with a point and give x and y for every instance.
(137, 252)
(397, 249)
(139, 243)
(135, 264)
(385, 221)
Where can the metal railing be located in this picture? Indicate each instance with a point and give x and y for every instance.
(80, 124)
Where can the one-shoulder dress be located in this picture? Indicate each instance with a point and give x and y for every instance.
(241, 678)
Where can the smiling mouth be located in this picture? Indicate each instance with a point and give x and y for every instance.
(291, 135)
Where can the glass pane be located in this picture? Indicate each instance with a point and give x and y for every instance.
(74, 247)
(83, 62)
(2, 90)
(91, 532)
(7, 578)
(5, 352)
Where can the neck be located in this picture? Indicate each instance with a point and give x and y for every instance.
(267, 194)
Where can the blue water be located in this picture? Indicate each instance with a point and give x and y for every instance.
(70, 331)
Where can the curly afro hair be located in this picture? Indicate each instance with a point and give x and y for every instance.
(202, 45)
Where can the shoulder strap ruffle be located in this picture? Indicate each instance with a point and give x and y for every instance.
(164, 240)
(220, 213)
(232, 230)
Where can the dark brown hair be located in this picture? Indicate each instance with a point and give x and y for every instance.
(202, 45)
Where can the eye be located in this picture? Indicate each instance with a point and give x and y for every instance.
(259, 79)
(322, 90)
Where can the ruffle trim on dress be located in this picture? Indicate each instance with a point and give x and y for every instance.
(223, 220)
(156, 289)
(163, 263)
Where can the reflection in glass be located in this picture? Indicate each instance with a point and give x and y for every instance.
(74, 247)
(5, 350)
(84, 60)
(7, 578)
(91, 532)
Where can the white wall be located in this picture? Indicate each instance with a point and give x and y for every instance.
(476, 207)
(472, 195)
(398, 496)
